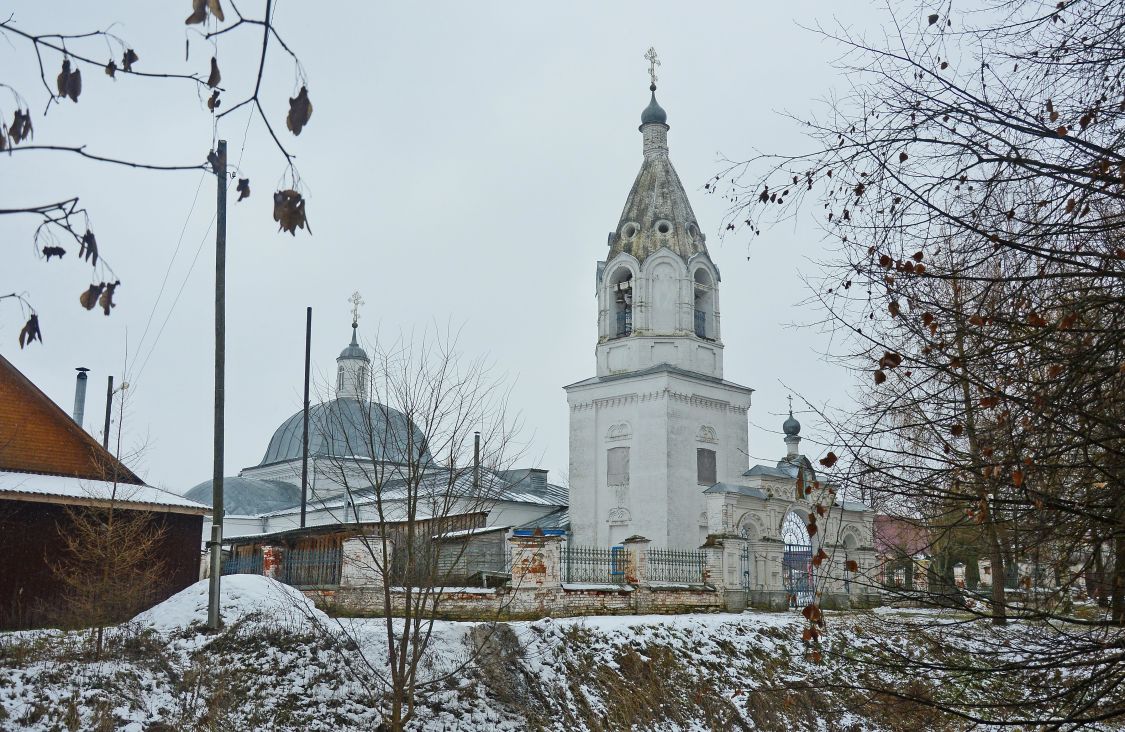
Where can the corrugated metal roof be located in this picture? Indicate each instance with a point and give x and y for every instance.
(99, 491)
(739, 489)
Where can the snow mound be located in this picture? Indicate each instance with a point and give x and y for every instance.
(242, 596)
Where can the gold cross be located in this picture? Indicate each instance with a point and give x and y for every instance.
(653, 62)
(356, 301)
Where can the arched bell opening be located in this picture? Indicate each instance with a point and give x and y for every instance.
(621, 299)
(704, 291)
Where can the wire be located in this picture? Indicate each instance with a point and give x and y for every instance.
(167, 272)
(175, 301)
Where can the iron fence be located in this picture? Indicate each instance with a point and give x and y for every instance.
(311, 567)
(246, 564)
(674, 565)
(594, 564)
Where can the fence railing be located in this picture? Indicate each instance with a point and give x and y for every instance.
(249, 564)
(593, 564)
(701, 323)
(674, 565)
(311, 567)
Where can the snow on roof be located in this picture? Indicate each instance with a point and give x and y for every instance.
(470, 532)
(32, 485)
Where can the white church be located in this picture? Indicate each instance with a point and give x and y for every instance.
(658, 436)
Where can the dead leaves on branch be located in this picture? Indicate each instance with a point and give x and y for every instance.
(101, 295)
(30, 331)
(201, 8)
(20, 128)
(243, 189)
(300, 110)
(128, 59)
(289, 211)
(89, 248)
(68, 82)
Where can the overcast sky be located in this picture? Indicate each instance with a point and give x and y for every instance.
(463, 165)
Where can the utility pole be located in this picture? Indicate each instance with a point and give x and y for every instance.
(108, 411)
(219, 164)
(305, 434)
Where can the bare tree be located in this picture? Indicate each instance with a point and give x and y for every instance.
(418, 460)
(973, 182)
(66, 221)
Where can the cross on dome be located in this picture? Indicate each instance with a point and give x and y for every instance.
(356, 300)
(653, 62)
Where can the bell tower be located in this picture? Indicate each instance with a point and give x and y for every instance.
(657, 425)
(658, 290)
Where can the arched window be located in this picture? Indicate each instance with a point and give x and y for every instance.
(704, 304)
(621, 295)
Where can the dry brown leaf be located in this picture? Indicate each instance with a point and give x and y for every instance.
(21, 127)
(111, 69)
(106, 300)
(62, 80)
(89, 248)
(31, 331)
(300, 110)
(128, 59)
(214, 102)
(243, 188)
(89, 298)
(74, 85)
(829, 460)
(216, 9)
(215, 77)
(198, 12)
(289, 211)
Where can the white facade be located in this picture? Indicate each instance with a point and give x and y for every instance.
(658, 424)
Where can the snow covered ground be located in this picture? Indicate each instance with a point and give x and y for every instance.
(280, 664)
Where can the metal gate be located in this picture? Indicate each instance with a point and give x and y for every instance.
(796, 562)
(796, 575)
(744, 569)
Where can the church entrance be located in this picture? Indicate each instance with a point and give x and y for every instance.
(796, 562)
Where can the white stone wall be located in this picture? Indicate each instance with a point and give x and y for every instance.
(663, 418)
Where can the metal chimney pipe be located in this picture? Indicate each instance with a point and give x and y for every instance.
(80, 395)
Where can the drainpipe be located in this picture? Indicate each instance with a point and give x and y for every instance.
(80, 395)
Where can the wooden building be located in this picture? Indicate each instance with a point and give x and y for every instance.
(52, 473)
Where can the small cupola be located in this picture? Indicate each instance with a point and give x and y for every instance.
(353, 364)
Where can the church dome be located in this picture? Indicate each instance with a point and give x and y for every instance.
(353, 349)
(349, 428)
(654, 113)
(248, 496)
(791, 426)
